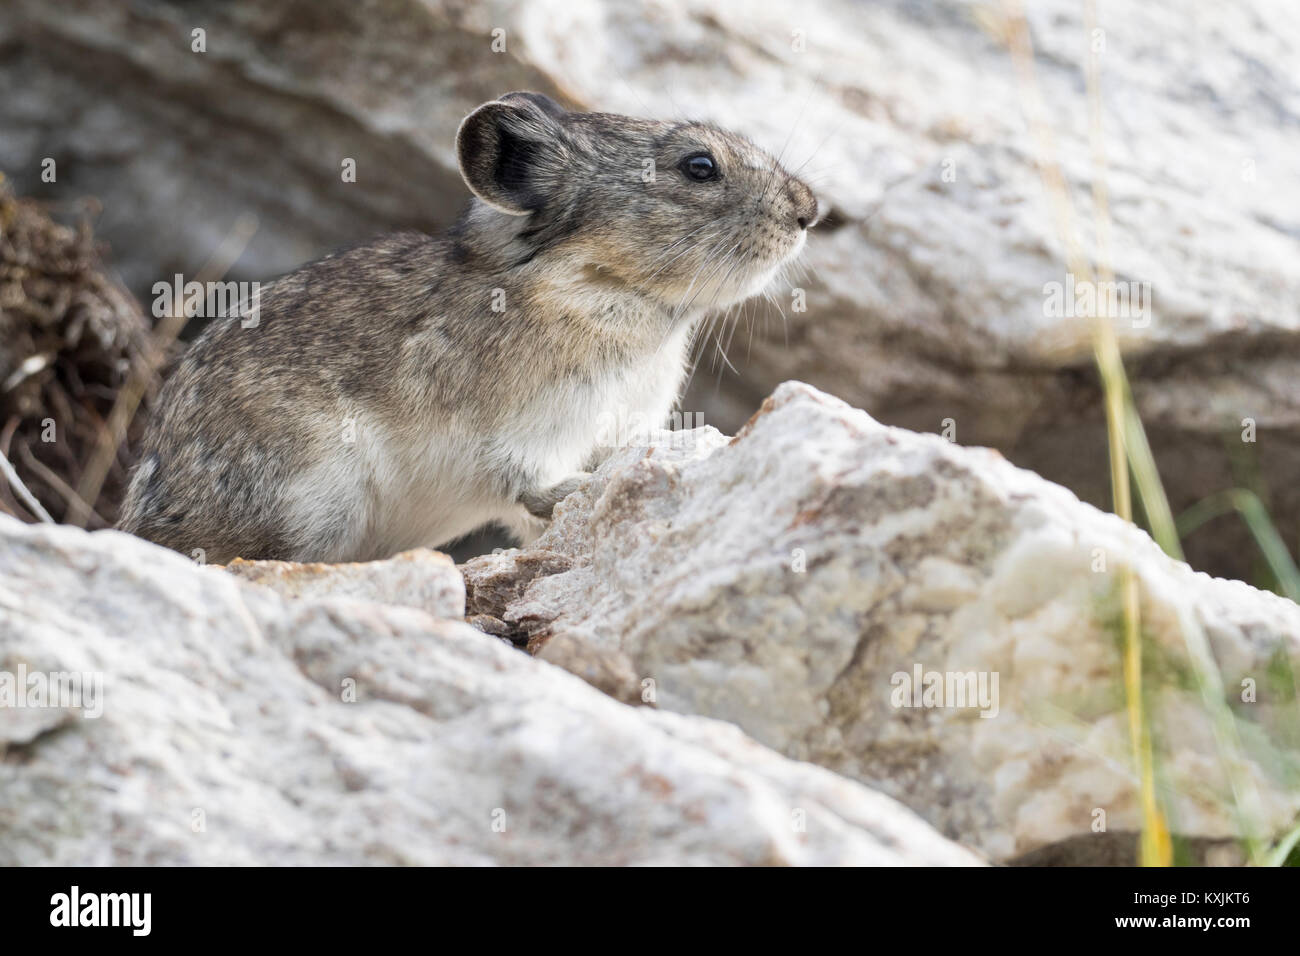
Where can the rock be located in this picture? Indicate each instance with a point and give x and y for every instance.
(237, 726)
(926, 290)
(422, 579)
(799, 579)
(180, 144)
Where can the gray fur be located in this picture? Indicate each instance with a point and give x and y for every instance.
(461, 415)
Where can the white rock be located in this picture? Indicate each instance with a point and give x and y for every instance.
(225, 738)
(783, 580)
(422, 578)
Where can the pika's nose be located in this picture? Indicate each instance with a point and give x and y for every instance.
(807, 210)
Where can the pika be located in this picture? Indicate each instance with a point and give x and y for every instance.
(408, 391)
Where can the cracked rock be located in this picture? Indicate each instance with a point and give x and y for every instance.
(807, 579)
(242, 727)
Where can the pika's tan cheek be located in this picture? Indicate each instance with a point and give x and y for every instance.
(605, 276)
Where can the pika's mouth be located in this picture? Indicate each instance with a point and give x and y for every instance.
(728, 270)
(753, 274)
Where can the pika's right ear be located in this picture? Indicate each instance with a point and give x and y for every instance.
(507, 152)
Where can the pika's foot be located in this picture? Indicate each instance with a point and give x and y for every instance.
(542, 503)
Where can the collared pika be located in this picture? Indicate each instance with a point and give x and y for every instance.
(408, 391)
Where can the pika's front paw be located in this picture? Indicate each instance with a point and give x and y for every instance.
(542, 502)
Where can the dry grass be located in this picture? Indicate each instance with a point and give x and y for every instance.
(1132, 463)
(69, 337)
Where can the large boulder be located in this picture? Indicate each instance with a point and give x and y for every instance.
(220, 722)
(811, 578)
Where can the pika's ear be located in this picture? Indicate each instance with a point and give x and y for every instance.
(538, 100)
(508, 151)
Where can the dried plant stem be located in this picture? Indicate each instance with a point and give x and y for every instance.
(48, 475)
(1130, 456)
(21, 491)
(1154, 847)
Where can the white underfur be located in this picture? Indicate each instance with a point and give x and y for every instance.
(402, 491)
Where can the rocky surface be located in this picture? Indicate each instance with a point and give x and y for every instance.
(423, 579)
(236, 726)
(758, 622)
(795, 579)
(925, 291)
(779, 582)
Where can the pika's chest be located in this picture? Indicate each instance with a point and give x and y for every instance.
(571, 418)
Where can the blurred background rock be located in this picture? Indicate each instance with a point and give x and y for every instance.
(924, 289)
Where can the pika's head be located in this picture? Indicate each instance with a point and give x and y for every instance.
(689, 214)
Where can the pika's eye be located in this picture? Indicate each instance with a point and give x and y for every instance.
(700, 167)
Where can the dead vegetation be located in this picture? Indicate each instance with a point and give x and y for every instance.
(70, 338)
